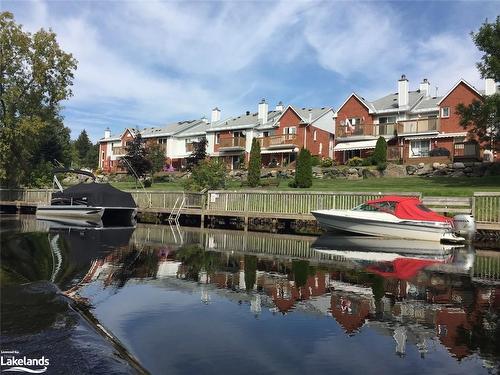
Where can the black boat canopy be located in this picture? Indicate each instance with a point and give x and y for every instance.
(93, 194)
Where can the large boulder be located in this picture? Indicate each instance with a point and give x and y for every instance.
(395, 170)
(410, 170)
(371, 173)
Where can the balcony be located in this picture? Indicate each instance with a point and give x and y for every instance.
(277, 141)
(343, 131)
(119, 151)
(423, 125)
(385, 129)
(234, 143)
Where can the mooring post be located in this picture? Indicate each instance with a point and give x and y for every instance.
(245, 224)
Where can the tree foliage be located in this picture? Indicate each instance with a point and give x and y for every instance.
(36, 76)
(136, 161)
(208, 174)
(303, 172)
(254, 165)
(85, 153)
(156, 157)
(380, 154)
(199, 153)
(482, 117)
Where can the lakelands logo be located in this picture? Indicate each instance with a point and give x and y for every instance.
(22, 364)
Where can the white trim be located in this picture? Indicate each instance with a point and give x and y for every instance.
(456, 85)
(442, 111)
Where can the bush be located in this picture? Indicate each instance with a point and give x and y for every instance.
(366, 162)
(315, 161)
(380, 153)
(147, 182)
(255, 164)
(303, 173)
(355, 162)
(326, 163)
(440, 151)
(381, 167)
(162, 177)
(208, 174)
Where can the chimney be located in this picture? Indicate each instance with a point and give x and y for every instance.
(490, 86)
(403, 96)
(215, 115)
(107, 133)
(425, 88)
(263, 111)
(279, 107)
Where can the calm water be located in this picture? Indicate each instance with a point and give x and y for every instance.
(184, 301)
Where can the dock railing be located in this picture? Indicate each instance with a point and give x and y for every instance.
(167, 199)
(486, 207)
(26, 195)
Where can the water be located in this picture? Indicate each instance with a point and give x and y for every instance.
(184, 300)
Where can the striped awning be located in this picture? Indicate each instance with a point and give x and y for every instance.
(360, 145)
(436, 136)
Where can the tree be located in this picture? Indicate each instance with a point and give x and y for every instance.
(254, 165)
(303, 172)
(208, 174)
(199, 153)
(483, 117)
(136, 161)
(156, 157)
(380, 153)
(82, 145)
(36, 76)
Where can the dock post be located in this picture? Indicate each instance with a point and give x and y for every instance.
(245, 225)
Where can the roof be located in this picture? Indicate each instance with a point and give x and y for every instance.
(199, 129)
(361, 99)
(170, 129)
(309, 115)
(427, 104)
(117, 137)
(390, 102)
(245, 121)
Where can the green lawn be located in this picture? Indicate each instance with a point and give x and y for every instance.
(435, 186)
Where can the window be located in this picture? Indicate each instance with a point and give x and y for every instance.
(290, 130)
(353, 121)
(445, 112)
(320, 148)
(103, 155)
(419, 148)
(265, 134)
(314, 135)
(239, 134)
(162, 141)
(217, 138)
(387, 120)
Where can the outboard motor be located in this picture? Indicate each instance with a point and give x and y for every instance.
(465, 226)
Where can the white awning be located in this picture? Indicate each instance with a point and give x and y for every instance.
(279, 151)
(435, 136)
(360, 145)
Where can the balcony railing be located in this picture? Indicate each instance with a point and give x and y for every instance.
(238, 142)
(418, 125)
(353, 131)
(119, 151)
(384, 129)
(278, 140)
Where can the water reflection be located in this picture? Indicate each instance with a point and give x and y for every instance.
(410, 299)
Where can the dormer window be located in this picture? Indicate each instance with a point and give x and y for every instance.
(445, 112)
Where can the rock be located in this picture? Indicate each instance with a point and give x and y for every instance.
(371, 173)
(458, 166)
(352, 171)
(421, 165)
(442, 167)
(458, 173)
(353, 176)
(440, 172)
(411, 169)
(435, 165)
(467, 170)
(395, 170)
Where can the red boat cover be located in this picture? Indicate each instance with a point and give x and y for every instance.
(407, 208)
(401, 268)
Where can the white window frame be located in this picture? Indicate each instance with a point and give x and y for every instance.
(320, 148)
(217, 138)
(315, 136)
(443, 115)
(413, 146)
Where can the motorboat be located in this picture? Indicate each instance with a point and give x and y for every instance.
(93, 204)
(399, 217)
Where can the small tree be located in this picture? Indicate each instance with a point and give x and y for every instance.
(380, 153)
(156, 157)
(303, 172)
(208, 174)
(135, 159)
(199, 153)
(254, 165)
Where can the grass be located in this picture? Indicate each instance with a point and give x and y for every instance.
(435, 186)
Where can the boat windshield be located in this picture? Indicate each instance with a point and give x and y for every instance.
(386, 206)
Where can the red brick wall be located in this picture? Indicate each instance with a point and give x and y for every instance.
(322, 137)
(354, 108)
(223, 135)
(461, 94)
(103, 161)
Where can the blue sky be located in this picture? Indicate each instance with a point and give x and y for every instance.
(148, 63)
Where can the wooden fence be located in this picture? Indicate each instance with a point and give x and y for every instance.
(486, 208)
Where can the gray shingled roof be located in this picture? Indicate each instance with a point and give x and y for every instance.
(390, 102)
(243, 122)
(196, 130)
(427, 104)
(169, 129)
(310, 114)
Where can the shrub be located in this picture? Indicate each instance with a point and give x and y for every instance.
(326, 163)
(147, 182)
(380, 153)
(315, 161)
(208, 174)
(381, 167)
(366, 162)
(355, 162)
(303, 173)
(255, 164)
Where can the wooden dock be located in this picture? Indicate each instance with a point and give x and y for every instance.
(286, 205)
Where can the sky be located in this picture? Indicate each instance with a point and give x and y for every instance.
(150, 63)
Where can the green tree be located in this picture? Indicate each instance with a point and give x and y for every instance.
(303, 172)
(35, 77)
(82, 145)
(156, 157)
(199, 153)
(136, 161)
(254, 165)
(208, 174)
(380, 153)
(482, 117)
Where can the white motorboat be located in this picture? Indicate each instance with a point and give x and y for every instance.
(399, 217)
(89, 203)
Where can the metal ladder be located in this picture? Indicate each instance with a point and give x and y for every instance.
(176, 211)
